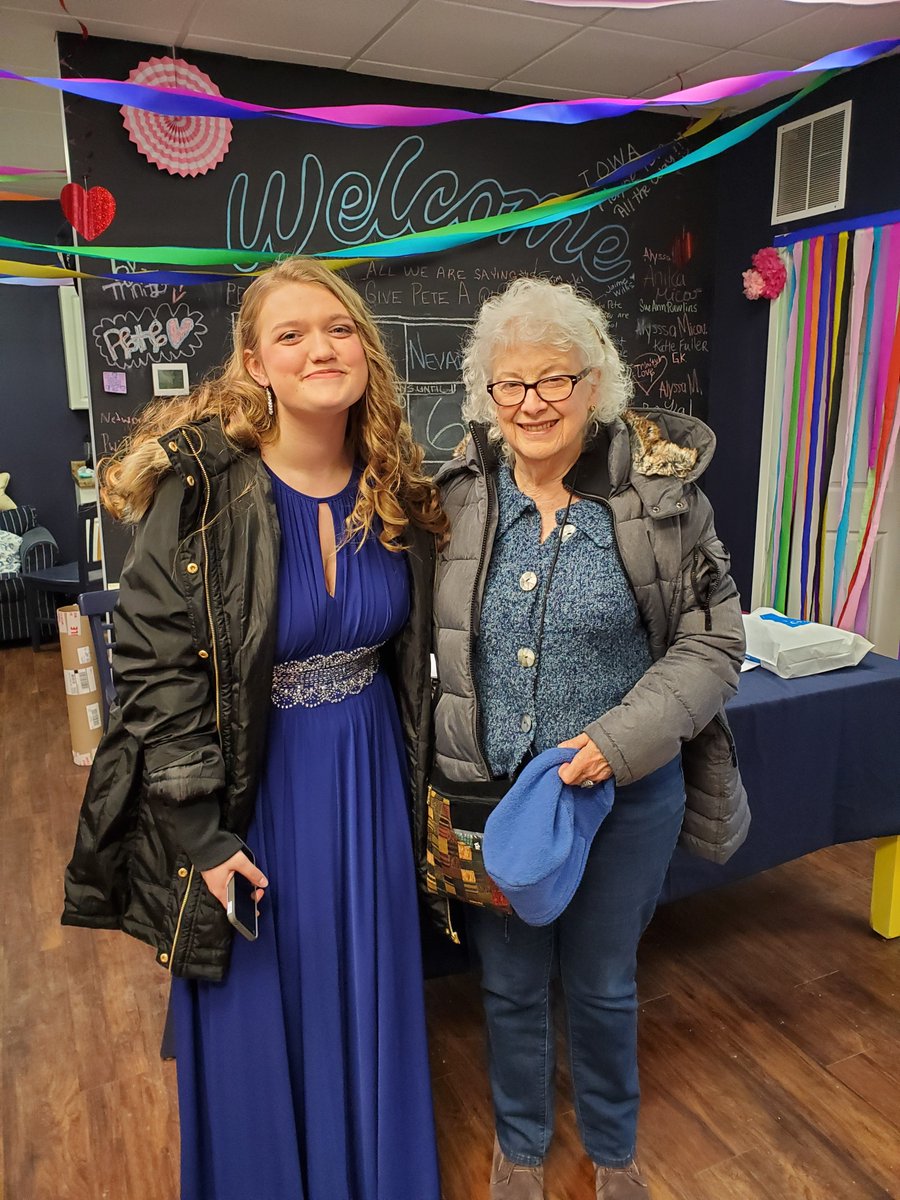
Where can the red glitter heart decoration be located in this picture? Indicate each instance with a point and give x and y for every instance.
(88, 212)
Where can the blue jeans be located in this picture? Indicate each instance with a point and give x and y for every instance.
(594, 944)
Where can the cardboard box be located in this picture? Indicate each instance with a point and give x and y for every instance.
(82, 683)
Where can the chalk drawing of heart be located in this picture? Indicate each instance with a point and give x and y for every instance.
(89, 212)
(648, 369)
(177, 331)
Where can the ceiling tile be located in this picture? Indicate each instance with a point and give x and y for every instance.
(148, 30)
(726, 23)
(723, 66)
(539, 91)
(334, 27)
(24, 8)
(606, 63)
(307, 58)
(163, 12)
(828, 28)
(440, 35)
(576, 15)
(445, 78)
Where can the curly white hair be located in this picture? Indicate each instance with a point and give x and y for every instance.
(538, 311)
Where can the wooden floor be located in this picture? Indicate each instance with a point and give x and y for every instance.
(770, 1024)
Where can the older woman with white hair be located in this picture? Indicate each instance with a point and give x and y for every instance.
(584, 601)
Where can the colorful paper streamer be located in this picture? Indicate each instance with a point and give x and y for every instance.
(434, 240)
(179, 102)
(842, 304)
(13, 268)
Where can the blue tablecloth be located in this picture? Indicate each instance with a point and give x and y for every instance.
(820, 758)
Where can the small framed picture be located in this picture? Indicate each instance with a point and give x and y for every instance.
(170, 379)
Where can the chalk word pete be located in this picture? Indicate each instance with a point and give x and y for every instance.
(162, 334)
(289, 217)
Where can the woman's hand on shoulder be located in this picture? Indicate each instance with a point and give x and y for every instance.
(588, 766)
(216, 878)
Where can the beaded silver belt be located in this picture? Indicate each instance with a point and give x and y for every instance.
(324, 678)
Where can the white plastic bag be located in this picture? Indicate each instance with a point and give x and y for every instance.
(793, 648)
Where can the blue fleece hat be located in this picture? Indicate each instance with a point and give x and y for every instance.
(536, 841)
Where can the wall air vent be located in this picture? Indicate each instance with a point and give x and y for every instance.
(811, 165)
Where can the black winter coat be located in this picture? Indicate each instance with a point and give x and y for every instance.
(174, 781)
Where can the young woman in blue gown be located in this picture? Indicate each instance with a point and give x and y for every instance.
(273, 612)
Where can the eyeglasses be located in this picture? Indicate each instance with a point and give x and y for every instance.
(508, 393)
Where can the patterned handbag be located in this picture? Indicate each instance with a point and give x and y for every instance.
(454, 860)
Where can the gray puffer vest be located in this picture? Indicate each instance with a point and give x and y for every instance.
(644, 469)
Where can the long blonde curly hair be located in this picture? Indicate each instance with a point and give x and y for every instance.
(392, 486)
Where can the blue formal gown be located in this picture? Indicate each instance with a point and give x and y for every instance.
(304, 1075)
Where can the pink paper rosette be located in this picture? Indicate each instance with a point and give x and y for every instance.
(765, 280)
(180, 145)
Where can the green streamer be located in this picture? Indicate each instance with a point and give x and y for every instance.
(787, 511)
(430, 241)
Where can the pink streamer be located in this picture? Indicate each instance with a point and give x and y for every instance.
(862, 615)
(812, 277)
(786, 392)
(891, 279)
(863, 244)
(668, 3)
(850, 611)
(855, 610)
(183, 102)
(31, 171)
(619, 3)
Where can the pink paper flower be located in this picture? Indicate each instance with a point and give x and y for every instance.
(767, 277)
(771, 268)
(754, 284)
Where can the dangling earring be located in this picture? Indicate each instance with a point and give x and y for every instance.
(270, 403)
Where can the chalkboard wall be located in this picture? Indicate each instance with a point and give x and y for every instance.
(293, 187)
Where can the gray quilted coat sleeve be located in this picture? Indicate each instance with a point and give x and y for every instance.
(688, 685)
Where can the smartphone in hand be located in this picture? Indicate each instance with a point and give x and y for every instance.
(240, 906)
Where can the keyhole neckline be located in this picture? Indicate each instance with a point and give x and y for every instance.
(355, 472)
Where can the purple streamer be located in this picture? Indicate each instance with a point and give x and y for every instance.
(180, 102)
(823, 344)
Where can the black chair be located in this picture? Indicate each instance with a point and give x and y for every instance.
(98, 608)
(37, 550)
(68, 579)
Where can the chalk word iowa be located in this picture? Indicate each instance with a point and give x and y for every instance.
(302, 212)
(156, 335)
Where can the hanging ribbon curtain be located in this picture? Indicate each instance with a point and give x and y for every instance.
(840, 307)
(427, 241)
(178, 102)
